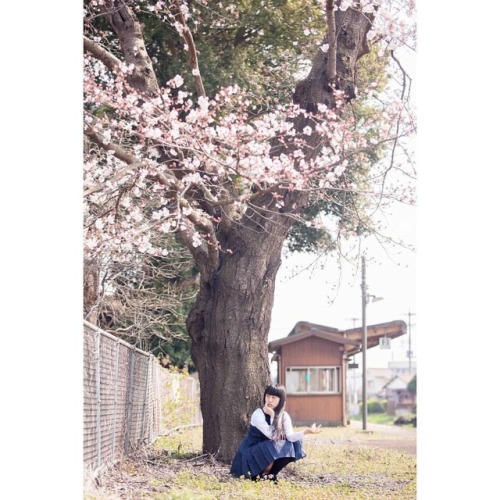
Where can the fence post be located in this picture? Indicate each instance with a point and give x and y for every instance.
(158, 400)
(130, 390)
(145, 400)
(98, 395)
(117, 348)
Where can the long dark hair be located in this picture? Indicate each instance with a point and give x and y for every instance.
(277, 423)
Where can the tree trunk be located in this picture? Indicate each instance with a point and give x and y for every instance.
(229, 327)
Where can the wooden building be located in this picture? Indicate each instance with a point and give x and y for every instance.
(312, 363)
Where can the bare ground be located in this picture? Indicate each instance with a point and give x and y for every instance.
(132, 478)
(397, 438)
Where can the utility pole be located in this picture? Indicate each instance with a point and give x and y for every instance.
(364, 337)
(409, 353)
(354, 321)
(365, 298)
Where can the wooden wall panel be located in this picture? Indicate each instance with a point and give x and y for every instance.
(305, 410)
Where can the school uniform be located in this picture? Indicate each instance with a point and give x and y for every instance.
(258, 449)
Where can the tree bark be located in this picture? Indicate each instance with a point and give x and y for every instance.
(229, 327)
(128, 29)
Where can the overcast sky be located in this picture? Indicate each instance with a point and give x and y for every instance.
(331, 295)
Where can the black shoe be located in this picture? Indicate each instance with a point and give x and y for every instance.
(258, 477)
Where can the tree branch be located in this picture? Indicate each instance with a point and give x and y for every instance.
(331, 66)
(128, 29)
(193, 58)
(123, 155)
(206, 255)
(99, 52)
(404, 73)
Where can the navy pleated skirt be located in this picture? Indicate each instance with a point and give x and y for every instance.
(257, 451)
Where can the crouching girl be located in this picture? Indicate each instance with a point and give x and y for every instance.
(270, 443)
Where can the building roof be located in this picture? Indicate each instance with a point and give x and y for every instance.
(399, 381)
(304, 335)
(351, 338)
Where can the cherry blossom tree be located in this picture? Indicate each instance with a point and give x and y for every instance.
(227, 177)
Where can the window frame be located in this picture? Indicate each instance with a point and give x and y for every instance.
(336, 368)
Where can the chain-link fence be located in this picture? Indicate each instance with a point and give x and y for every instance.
(180, 401)
(129, 399)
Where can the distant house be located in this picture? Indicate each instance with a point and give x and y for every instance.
(376, 379)
(399, 400)
(312, 364)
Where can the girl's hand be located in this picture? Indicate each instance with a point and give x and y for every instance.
(313, 429)
(269, 411)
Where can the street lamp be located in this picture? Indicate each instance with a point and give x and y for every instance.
(365, 298)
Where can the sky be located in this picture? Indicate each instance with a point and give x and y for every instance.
(457, 271)
(331, 295)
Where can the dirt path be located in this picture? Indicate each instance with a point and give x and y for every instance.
(388, 436)
(392, 437)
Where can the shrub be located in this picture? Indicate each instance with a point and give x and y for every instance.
(377, 406)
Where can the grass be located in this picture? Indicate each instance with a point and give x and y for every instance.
(381, 418)
(375, 418)
(340, 465)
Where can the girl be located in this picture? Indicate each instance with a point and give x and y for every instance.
(270, 443)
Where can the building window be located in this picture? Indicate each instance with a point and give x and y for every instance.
(317, 379)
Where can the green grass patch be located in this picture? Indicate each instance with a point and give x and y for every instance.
(380, 418)
(339, 465)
